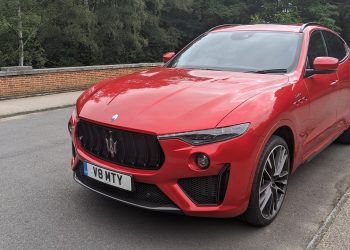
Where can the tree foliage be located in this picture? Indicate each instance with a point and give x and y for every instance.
(67, 33)
(85, 32)
(16, 27)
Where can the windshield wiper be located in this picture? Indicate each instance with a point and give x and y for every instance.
(267, 71)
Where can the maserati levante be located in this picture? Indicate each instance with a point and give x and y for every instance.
(219, 128)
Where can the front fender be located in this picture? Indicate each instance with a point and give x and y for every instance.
(267, 112)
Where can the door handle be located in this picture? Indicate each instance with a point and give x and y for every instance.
(334, 83)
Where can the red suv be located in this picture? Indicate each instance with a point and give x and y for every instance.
(219, 128)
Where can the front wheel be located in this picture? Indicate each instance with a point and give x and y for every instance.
(270, 183)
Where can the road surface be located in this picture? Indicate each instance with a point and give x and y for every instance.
(41, 207)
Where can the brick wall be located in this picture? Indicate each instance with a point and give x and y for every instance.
(44, 81)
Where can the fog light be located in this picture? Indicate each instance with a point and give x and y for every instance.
(202, 160)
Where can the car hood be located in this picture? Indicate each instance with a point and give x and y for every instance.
(166, 100)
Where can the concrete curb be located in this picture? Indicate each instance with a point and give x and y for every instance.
(35, 111)
(328, 222)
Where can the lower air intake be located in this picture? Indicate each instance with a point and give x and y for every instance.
(206, 190)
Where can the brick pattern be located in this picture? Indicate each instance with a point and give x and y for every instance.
(36, 84)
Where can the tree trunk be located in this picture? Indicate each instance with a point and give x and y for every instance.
(20, 36)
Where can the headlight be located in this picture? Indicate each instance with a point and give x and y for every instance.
(207, 136)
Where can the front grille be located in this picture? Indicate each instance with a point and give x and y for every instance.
(145, 195)
(130, 149)
(206, 190)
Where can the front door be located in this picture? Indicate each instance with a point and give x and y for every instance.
(337, 48)
(323, 99)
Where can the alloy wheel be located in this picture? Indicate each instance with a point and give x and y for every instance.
(273, 183)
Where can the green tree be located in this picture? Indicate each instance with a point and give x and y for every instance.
(215, 12)
(343, 19)
(55, 33)
(277, 11)
(158, 38)
(67, 34)
(19, 24)
(324, 12)
(119, 30)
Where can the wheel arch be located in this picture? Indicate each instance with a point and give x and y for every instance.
(285, 128)
(286, 133)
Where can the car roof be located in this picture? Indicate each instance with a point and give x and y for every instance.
(264, 27)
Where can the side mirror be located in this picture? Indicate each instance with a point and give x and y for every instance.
(326, 63)
(167, 56)
(323, 65)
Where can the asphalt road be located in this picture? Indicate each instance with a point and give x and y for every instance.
(41, 207)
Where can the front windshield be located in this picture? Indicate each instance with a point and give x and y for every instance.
(242, 51)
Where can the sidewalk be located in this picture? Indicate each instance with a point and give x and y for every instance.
(19, 106)
(337, 234)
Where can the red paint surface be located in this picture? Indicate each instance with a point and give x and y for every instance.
(166, 100)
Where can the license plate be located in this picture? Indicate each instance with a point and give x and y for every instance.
(112, 178)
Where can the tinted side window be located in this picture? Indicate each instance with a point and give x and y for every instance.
(316, 48)
(336, 47)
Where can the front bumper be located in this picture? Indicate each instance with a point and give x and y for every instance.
(160, 203)
(240, 154)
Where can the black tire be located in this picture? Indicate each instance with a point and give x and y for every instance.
(344, 137)
(254, 214)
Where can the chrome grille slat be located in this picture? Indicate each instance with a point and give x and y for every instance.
(134, 150)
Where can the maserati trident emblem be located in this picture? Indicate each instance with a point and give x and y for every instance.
(111, 145)
(115, 117)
